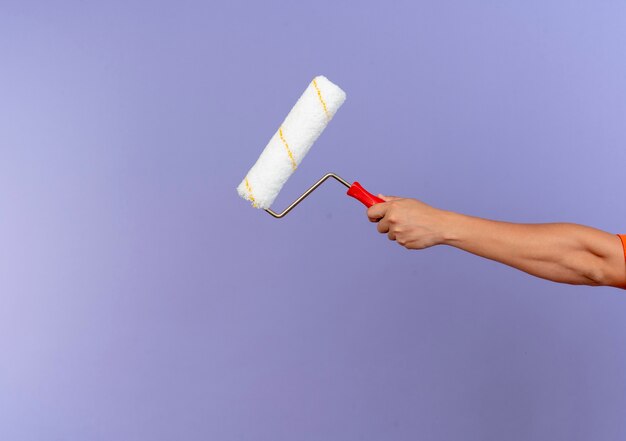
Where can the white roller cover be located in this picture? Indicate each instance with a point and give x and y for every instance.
(282, 155)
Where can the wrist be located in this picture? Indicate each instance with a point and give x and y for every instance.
(451, 226)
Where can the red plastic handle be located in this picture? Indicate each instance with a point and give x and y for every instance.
(358, 192)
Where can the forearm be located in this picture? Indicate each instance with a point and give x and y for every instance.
(561, 252)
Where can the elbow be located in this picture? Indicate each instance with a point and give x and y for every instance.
(597, 262)
(586, 268)
(603, 274)
(596, 277)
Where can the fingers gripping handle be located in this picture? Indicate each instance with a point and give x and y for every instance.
(361, 194)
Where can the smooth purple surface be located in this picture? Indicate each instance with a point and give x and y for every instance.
(141, 299)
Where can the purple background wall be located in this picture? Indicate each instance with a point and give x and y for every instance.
(141, 299)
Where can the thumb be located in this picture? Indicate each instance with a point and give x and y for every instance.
(388, 198)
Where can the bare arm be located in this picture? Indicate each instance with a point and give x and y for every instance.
(561, 252)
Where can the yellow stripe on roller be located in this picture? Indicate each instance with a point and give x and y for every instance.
(319, 95)
(249, 188)
(282, 138)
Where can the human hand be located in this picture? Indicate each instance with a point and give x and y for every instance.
(411, 223)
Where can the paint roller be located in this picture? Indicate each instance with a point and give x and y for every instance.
(285, 151)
